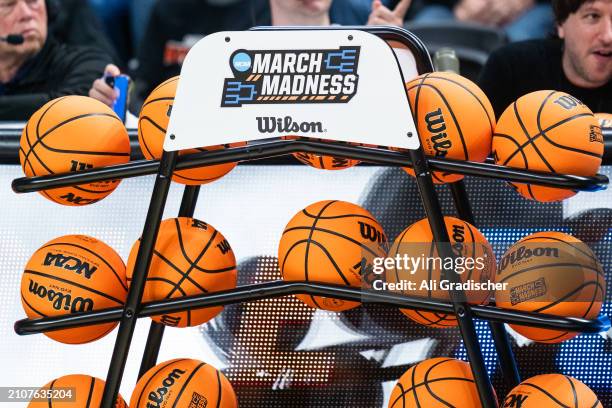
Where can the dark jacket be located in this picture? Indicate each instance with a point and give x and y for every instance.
(74, 22)
(522, 67)
(57, 70)
(171, 21)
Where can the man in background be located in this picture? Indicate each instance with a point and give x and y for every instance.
(40, 69)
(175, 27)
(578, 62)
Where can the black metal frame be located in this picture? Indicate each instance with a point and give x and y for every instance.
(134, 308)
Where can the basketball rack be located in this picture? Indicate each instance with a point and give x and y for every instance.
(422, 165)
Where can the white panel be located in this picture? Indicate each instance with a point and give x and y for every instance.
(371, 106)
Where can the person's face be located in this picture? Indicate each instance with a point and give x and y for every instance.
(587, 57)
(305, 7)
(25, 17)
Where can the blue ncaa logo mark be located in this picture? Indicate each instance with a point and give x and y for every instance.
(241, 62)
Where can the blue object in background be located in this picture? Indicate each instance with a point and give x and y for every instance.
(120, 83)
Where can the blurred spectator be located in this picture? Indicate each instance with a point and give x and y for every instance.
(115, 18)
(74, 22)
(579, 62)
(140, 12)
(521, 19)
(41, 68)
(174, 27)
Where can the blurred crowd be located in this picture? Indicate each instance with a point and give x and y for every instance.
(70, 44)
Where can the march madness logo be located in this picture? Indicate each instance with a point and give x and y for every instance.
(291, 76)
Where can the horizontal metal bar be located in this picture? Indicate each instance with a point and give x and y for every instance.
(268, 290)
(257, 151)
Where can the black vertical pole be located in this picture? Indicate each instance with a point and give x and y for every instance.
(462, 308)
(156, 331)
(134, 297)
(507, 362)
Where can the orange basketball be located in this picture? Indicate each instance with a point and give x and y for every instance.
(74, 133)
(416, 242)
(190, 258)
(152, 125)
(73, 391)
(551, 390)
(72, 274)
(325, 162)
(437, 382)
(553, 273)
(454, 118)
(326, 242)
(605, 120)
(548, 131)
(183, 383)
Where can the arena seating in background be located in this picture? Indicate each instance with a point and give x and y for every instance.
(473, 43)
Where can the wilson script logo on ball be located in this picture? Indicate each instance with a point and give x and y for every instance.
(291, 76)
(156, 398)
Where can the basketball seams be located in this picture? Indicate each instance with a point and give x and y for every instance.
(400, 238)
(142, 139)
(491, 125)
(549, 395)
(417, 96)
(194, 179)
(219, 390)
(455, 121)
(551, 127)
(573, 390)
(291, 248)
(430, 268)
(52, 277)
(401, 388)
(338, 234)
(91, 388)
(333, 261)
(26, 158)
(42, 115)
(308, 240)
(531, 268)
(176, 269)
(166, 82)
(473, 242)
(426, 381)
(321, 162)
(545, 137)
(94, 253)
(414, 391)
(428, 322)
(94, 153)
(184, 386)
(333, 217)
(519, 148)
(33, 151)
(567, 295)
(531, 193)
(144, 387)
(171, 283)
(161, 98)
(49, 400)
(438, 380)
(530, 140)
(200, 255)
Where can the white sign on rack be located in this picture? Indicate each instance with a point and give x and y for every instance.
(342, 85)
